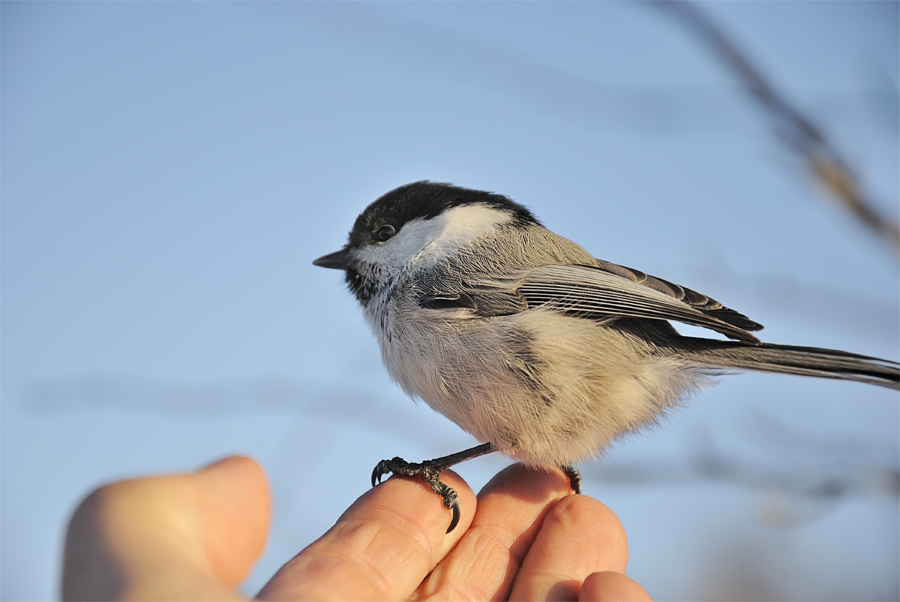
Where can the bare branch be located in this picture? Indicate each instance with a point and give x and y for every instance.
(791, 125)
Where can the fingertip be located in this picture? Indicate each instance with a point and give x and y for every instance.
(528, 484)
(239, 475)
(240, 480)
(236, 511)
(240, 465)
(585, 515)
(578, 536)
(582, 520)
(612, 587)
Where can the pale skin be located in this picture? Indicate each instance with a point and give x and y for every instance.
(196, 536)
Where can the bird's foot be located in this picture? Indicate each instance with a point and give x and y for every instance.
(574, 478)
(430, 472)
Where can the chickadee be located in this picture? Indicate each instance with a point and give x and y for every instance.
(526, 341)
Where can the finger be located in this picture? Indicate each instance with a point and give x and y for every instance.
(233, 509)
(190, 536)
(382, 547)
(579, 536)
(612, 587)
(484, 563)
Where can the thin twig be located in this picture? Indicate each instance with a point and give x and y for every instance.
(791, 125)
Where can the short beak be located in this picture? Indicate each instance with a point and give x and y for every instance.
(339, 260)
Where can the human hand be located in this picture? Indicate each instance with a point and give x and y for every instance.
(178, 537)
(197, 535)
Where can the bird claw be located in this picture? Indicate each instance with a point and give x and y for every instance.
(451, 502)
(429, 473)
(574, 478)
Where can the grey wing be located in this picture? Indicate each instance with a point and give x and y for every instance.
(496, 298)
(697, 300)
(602, 292)
(609, 291)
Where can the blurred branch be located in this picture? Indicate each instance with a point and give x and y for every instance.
(793, 127)
(805, 474)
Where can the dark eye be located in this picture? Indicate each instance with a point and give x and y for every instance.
(385, 232)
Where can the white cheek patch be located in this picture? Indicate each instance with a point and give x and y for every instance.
(414, 236)
(458, 227)
(422, 241)
(398, 253)
(468, 221)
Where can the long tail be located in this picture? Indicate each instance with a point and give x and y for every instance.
(788, 359)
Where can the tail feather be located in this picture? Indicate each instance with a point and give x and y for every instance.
(789, 359)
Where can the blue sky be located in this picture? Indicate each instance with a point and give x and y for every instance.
(169, 171)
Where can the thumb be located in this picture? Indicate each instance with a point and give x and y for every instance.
(193, 535)
(232, 513)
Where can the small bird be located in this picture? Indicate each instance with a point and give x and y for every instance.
(526, 341)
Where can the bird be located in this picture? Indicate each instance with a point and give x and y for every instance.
(536, 348)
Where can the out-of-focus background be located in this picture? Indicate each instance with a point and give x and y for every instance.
(169, 171)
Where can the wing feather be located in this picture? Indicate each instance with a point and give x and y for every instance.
(595, 292)
(601, 292)
(691, 297)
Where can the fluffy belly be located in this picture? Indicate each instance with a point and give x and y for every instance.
(544, 388)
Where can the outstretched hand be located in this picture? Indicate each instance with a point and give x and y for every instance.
(196, 536)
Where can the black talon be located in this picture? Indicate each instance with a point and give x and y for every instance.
(430, 472)
(574, 478)
(453, 499)
(383, 468)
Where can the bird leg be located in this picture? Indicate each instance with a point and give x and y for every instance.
(430, 472)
